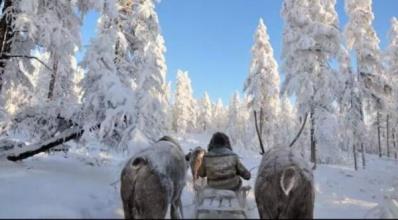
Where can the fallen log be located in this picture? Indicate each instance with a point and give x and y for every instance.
(34, 149)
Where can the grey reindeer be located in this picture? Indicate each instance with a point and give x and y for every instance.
(152, 181)
(284, 186)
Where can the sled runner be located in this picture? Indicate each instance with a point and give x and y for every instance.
(217, 203)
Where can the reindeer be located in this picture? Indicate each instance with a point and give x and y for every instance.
(284, 186)
(195, 158)
(152, 181)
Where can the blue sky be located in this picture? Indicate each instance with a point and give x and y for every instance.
(211, 39)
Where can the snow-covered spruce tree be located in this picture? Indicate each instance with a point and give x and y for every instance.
(140, 54)
(328, 134)
(287, 120)
(351, 111)
(362, 38)
(16, 88)
(310, 40)
(262, 85)
(219, 116)
(7, 35)
(391, 58)
(235, 122)
(205, 113)
(233, 115)
(15, 67)
(184, 111)
(170, 106)
(37, 27)
(248, 138)
(53, 27)
(40, 78)
(108, 99)
(290, 127)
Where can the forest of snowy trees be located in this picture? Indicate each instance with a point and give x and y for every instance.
(338, 84)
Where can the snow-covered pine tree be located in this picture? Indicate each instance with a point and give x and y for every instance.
(363, 40)
(262, 85)
(233, 118)
(219, 116)
(290, 130)
(196, 111)
(16, 88)
(41, 78)
(235, 122)
(391, 55)
(205, 119)
(310, 40)
(44, 26)
(184, 111)
(142, 48)
(170, 106)
(108, 97)
(351, 110)
(54, 27)
(287, 120)
(192, 103)
(248, 139)
(391, 58)
(7, 35)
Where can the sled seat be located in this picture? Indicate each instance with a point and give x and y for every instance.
(222, 203)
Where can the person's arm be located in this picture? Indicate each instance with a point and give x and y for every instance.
(242, 171)
(202, 169)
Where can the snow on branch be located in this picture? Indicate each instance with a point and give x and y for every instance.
(30, 57)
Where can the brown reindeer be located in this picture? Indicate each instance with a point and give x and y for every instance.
(153, 180)
(195, 158)
(284, 186)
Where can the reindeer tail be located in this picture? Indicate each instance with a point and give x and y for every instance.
(289, 179)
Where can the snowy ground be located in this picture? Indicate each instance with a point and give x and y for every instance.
(53, 186)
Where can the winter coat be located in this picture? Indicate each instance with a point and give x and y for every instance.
(223, 169)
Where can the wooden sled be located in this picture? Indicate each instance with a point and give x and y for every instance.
(218, 203)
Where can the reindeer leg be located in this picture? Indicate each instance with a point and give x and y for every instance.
(181, 208)
(174, 210)
(127, 211)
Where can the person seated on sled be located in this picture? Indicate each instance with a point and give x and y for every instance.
(221, 165)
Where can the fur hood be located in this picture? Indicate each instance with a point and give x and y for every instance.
(219, 140)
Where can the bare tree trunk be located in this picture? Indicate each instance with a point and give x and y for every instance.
(387, 134)
(378, 132)
(261, 121)
(52, 80)
(394, 143)
(258, 133)
(354, 151)
(6, 35)
(118, 54)
(363, 156)
(313, 139)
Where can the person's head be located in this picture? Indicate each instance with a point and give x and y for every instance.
(219, 140)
